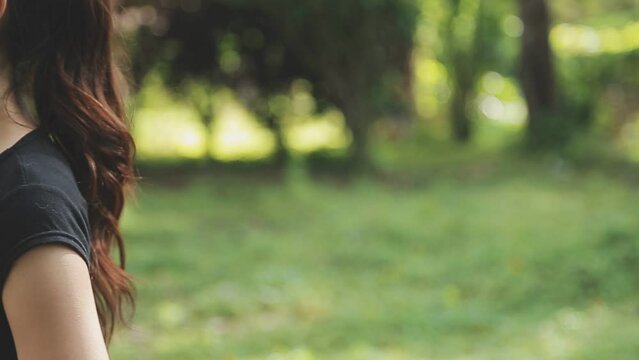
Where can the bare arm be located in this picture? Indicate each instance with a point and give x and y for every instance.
(50, 306)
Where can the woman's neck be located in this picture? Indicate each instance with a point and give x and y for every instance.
(14, 124)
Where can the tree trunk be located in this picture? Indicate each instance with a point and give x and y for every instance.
(206, 112)
(281, 155)
(358, 120)
(537, 72)
(464, 81)
(463, 60)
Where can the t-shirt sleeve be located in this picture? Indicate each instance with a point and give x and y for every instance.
(33, 215)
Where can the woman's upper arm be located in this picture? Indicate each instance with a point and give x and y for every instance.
(50, 306)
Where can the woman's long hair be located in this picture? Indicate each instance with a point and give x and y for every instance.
(63, 71)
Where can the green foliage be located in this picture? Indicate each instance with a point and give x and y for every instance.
(358, 57)
(355, 53)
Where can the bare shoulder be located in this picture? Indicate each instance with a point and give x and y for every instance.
(50, 306)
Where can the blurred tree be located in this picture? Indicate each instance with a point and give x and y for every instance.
(598, 87)
(467, 37)
(462, 36)
(537, 71)
(198, 46)
(357, 54)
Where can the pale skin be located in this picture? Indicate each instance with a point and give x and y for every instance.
(47, 296)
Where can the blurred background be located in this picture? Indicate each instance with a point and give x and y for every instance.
(383, 179)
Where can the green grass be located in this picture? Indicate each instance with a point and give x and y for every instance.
(499, 259)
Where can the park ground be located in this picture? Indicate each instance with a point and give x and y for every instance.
(475, 256)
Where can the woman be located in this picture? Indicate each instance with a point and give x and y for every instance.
(65, 168)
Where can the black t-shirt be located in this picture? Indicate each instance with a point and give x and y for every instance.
(40, 203)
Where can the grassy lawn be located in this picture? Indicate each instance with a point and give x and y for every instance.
(512, 261)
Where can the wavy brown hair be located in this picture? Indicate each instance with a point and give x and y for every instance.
(63, 72)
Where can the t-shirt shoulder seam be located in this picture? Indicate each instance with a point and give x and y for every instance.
(40, 239)
(64, 234)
